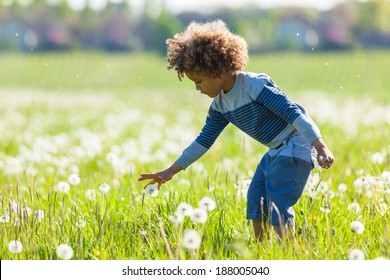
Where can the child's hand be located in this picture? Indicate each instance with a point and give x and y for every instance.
(159, 178)
(162, 176)
(325, 157)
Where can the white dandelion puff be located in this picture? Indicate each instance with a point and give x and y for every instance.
(64, 252)
(354, 207)
(325, 209)
(80, 223)
(39, 215)
(191, 239)
(5, 218)
(90, 194)
(357, 227)
(185, 209)
(15, 247)
(151, 190)
(177, 218)
(378, 158)
(74, 179)
(207, 204)
(356, 254)
(342, 187)
(63, 187)
(26, 211)
(104, 187)
(199, 216)
(246, 183)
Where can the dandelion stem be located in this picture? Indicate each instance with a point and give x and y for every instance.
(167, 246)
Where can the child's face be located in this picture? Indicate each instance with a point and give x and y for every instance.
(207, 85)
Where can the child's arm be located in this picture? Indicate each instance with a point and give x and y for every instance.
(162, 176)
(325, 157)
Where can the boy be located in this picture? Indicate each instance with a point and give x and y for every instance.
(214, 59)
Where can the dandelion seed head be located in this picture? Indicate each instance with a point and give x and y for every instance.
(199, 216)
(325, 209)
(354, 207)
(378, 158)
(15, 247)
(342, 187)
(5, 218)
(357, 227)
(63, 187)
(184, 209)
(104, 188)
(74, 179)
(356, 254)
(39, 215)
(151, 190)
(191, 239)
(64, 252)
(177, 218)
(207, 204)
(81, 223)
(90, 194)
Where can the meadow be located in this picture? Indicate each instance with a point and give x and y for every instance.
(77, 129)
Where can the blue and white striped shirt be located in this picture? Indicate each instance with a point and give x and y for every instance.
(257, 107)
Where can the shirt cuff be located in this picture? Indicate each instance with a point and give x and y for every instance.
(305, 125)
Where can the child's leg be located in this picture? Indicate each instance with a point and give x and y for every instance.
(285, 181)
(257, 210)
(260, 228)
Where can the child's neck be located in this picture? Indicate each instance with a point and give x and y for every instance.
(229, 80)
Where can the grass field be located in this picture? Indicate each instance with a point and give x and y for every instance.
(78, 129)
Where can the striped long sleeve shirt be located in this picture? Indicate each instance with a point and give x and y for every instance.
(259, 108)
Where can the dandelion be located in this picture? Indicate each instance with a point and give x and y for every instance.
(356, 254)
(185, 209)
(64, 252)
(378, 158)
(5, 218)
(151, 190)
(15, 247)
(342, 187)
(177, 218)
(199, 216)
(90, 194)
(246, 183)
(63, 187)
(80, 223)
(39, 215)
(191, 239)
(74, 179)
(104, 188)
(323, 187)
(207, 204)
(26, 211)
(357, 227)
(354, 207)
(143, 232)
(325, 209)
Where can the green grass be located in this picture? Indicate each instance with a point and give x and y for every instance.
(108, 125)
(349, 74)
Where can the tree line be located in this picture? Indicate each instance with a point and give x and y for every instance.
(120, 27)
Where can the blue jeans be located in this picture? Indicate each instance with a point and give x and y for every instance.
(279, 181)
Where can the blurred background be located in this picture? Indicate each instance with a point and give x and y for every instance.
(143, 25)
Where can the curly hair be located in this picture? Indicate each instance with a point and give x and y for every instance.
(208, 49)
